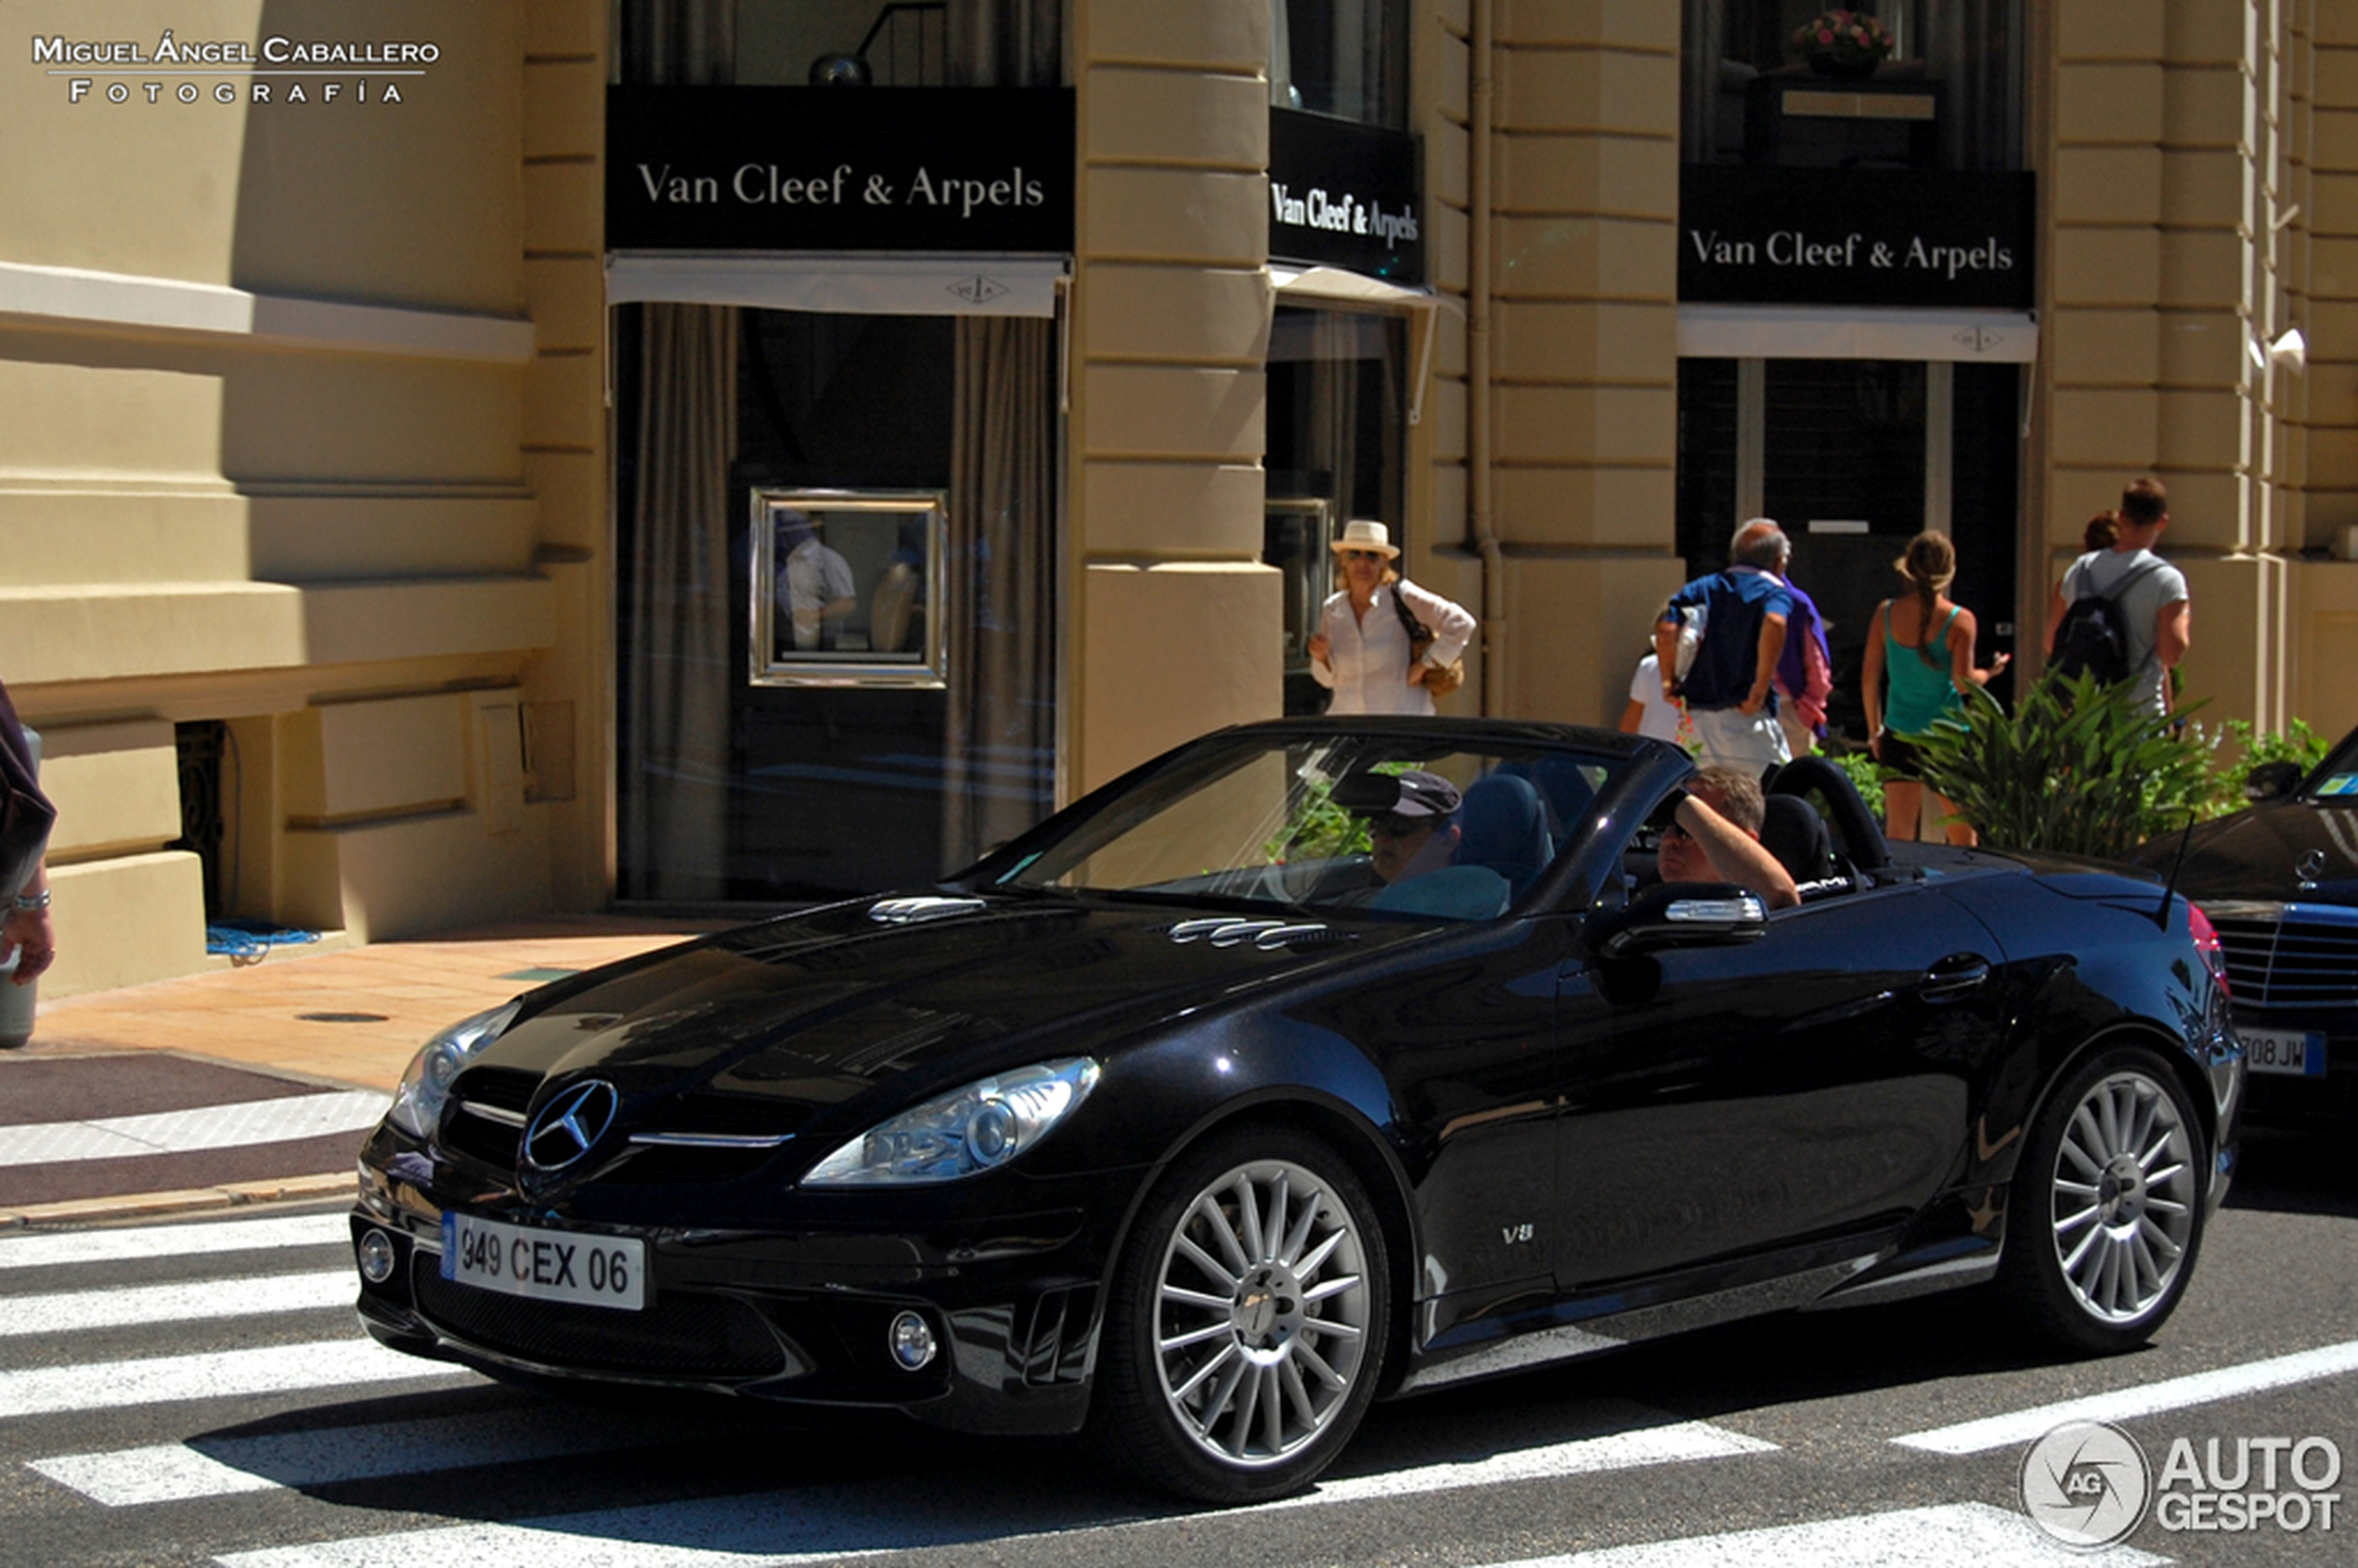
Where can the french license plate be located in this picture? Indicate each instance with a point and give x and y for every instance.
(544, 1265)
(2299, 1053)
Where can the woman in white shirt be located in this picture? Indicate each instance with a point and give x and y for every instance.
(1361, 651)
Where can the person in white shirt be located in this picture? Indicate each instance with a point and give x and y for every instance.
(1362, 649)
(1651, 711)
(817, 580)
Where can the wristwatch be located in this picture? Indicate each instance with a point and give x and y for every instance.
(32, 901)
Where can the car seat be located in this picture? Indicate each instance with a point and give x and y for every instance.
(1792, 830)
(1503, 825)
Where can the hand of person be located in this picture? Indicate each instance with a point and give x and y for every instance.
(29, 934)
(1318, 647)
(1874, 745)
(1752, 703)
(1416, 672)
(2000, 661)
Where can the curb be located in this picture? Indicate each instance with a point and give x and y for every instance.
(142, 1205)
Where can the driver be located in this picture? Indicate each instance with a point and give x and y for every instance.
(1712, 833)
(1410, 830)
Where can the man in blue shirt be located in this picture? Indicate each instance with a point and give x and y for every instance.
(1730, 687)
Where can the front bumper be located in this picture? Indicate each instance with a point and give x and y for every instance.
(799, 1317)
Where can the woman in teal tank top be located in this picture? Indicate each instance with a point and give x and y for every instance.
(1920, 651)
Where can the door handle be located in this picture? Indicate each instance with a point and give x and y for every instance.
(1956, 976)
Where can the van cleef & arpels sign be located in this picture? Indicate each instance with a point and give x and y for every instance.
(1751, 234)
(839, 169)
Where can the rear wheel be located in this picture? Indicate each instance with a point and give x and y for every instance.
(2106, 1215)
(1247, 1326)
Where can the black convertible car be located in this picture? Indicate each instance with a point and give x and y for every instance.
(1313, 1062)
(2280, 882)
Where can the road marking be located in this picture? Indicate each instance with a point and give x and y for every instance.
(1952, 1535)
(182, 1132)
(111, 1385)
(819, 1523)
(70, 1311)
(1676, 1443)
(186, 1241)
(2147, 1399)
(215, 1467)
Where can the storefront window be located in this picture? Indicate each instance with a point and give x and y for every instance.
(1948, 94)
(1336, 435)
(1347, 58)
(842, 43)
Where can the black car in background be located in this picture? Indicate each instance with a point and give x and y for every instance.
(1174, 1123)
(2279, 881)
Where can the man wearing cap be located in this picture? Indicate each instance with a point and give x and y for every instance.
(1730, 687)
(1362, 651)
(1412, 835)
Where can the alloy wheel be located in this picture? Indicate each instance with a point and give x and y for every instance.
(1261, 1312)
(2125, 1197)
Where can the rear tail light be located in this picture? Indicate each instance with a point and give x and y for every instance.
(2207, 942)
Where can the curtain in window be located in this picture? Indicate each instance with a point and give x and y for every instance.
(675, 736)
(999, 743)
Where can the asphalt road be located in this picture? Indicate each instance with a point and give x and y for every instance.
(244, 1421)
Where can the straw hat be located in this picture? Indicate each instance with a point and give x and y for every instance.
(1362, 534)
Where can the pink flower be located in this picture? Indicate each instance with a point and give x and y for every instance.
(1825, 36)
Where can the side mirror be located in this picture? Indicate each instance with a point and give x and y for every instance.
(1682, 914)
(2271, 780)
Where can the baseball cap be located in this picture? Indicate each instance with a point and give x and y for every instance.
(1412, 793)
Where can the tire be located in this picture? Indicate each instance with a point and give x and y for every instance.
(1246, 1328)
(2106, 1213)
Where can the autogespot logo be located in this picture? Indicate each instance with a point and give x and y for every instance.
(2086, 1484)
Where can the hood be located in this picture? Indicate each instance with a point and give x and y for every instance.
(800, 1015)
(2280, 850)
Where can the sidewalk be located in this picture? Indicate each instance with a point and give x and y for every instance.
(295, 1024)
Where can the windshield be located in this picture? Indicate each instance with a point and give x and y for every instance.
(1387, 824)
(2337, 779)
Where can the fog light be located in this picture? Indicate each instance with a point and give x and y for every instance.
(912, 1341)
(376, 1257)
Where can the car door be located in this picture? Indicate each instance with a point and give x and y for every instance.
(1806, 1090)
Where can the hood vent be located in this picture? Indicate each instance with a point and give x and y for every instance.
(910, 911)
(1266, 935)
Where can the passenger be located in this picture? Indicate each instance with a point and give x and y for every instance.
(1714, 836)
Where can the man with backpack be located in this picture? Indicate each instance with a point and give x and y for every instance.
(2121, 614)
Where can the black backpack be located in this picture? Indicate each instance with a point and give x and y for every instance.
(2093, 637)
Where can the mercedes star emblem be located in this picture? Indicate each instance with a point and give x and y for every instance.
(565, 1127)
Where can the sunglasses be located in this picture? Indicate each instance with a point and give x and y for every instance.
(1362, 555)
(1392, 826)
(1675, 830)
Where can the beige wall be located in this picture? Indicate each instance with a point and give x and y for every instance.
(1174, 625)
(280, 421)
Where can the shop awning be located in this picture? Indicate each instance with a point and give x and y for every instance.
(1332, 288)
(841, 283)
(1776, 331)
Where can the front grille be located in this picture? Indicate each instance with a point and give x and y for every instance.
(680, 1333)
(2307, 959)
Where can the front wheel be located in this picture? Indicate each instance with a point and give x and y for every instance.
(1247, 1326)
(2107, 1210)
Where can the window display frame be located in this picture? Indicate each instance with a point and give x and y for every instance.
(775, 660)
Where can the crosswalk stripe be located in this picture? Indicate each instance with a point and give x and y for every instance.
(109, 1385)
(172, 1241)
(1673, 1443)
(785, 1528)
(1951, 1535)
(70, 1311)
(214, 1466)
(181, 1132)
(2146, 1399)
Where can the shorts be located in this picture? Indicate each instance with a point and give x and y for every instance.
(1899, 760)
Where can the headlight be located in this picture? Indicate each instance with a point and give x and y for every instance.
(979, 1127)
(417, 1105)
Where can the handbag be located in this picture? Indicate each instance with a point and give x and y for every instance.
(26, 815)
(1440, 679)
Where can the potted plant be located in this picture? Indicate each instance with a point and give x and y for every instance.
(1844, 42)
